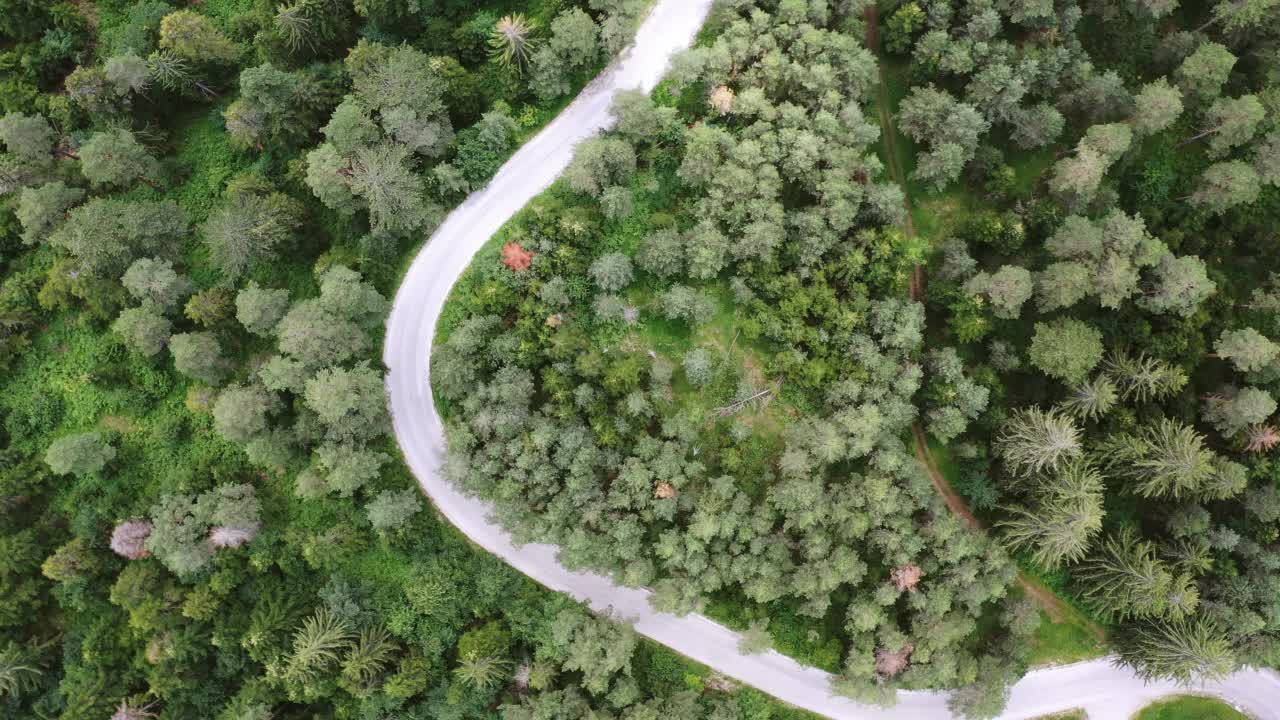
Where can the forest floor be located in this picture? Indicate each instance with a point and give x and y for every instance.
(1058, 610)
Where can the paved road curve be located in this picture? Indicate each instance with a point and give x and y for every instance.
(1105, 691)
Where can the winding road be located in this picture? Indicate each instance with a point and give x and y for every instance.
(1106, 692)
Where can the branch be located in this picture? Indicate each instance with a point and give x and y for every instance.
(732, 408)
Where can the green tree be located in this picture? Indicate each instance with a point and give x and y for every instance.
(251, 226)
(241, 412)
(1247, 349)
(274, 107)
(155, 281)
(1225, 185)
(209, 307)
(1186, 651)
(1036, 125)
(199, 356)
(901, 26)
(115, 157)
(193, 37)
(1181, 284)
(1165, 459)
(20, 671)
(573, 47)
(392, 509)
(1092, 399)
(1235, 410)
(350, 402)
(1078, 175)
(314, 336)
(1127, 580)
(259, 310)
(600, 163)
(612, 271)
(370, 655)
(1156, 107)
(641, 120)
(1066, 349)
(1061, 285)
(699, 367)
(28, 137)
(1266, 158)
(1032, 441)
(144, 329)
(177, 536)
(391, 191)
(1205, 71)
(1238, 16)
(1065, 517)
(79, 454)
(41, 210)
(106, 235)
(512, 42)
(1007, 289)
(404, 88)
(317, 645)
(1143, 378)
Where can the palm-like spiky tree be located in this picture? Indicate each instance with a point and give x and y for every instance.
(317, 644)
(1143, 378)
(295, 25)
(1167, 459)
(19, 671)
(370, 655)
(1191, 556)
(1034, 441)
(482, 672)
(1126, 579)
(1187, 651)
(1066, 517)
(1092, 399)
(512, 41)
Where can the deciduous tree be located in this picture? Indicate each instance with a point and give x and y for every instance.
(1066, 349)
(79, 454)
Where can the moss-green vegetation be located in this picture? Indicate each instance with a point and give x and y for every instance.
(1190, 707)
(1069, 715)
(1064, 642)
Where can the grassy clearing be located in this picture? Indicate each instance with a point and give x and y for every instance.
(1190, 707)
(1060, 643)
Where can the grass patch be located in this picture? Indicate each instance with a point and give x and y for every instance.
(1190, 707)
(1064, 642)
(1076, 714)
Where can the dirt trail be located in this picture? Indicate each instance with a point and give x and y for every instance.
(1054, 606)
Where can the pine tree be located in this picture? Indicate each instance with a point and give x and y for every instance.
(370, 655)
(1126, 579)
(317, 644)
(1166, 459)
(1143, 378)
(19, 671)
(1033, 441)
(1092, 399)
(1186, 651)
(1066, 516)
(511, 43)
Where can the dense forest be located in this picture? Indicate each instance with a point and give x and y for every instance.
(203, 208)
(888, 334)
(1023, 241)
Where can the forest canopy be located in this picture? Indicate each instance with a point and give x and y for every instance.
(924, 341)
